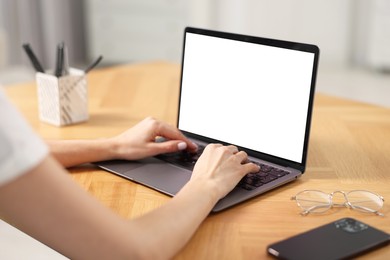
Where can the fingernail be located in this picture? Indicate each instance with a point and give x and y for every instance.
(182, 146)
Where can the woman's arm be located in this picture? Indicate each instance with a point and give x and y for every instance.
(53, 209)
(75, 152)
(135, 143)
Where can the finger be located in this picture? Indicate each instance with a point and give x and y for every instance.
(168, 146)
(242, 156)
(251, 167)
(231, 148)
(172, 133)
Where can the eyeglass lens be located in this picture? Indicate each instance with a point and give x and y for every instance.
(364, 201)
(313, 201)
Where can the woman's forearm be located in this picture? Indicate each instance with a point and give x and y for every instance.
(74, 152)
(135, 143)
(177, 220)
(51, 208)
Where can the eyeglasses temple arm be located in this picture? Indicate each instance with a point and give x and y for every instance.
(367, 209)
(307, 211)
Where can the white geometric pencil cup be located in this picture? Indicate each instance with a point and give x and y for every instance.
(64, 100)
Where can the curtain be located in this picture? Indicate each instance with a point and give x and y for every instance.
(43, 24)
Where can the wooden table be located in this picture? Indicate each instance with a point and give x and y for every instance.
(349, 149)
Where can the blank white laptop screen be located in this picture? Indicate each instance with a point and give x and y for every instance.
(251, 95)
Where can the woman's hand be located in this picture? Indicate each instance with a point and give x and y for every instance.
(221, 167)
(139, 141)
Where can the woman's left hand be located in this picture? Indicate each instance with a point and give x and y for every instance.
(140, 141)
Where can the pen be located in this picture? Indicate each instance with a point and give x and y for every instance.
(65, 69)
(59, 60)
(89, 68)
(93, 64)
(34, 60)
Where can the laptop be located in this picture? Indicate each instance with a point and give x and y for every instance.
(255, 93)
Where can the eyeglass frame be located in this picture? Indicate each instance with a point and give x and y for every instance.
(346, 204)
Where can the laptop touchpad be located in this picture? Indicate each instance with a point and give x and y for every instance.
(163, 177)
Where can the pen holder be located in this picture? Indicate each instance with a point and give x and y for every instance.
(64, 100)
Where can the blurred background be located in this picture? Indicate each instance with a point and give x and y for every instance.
(353, 35)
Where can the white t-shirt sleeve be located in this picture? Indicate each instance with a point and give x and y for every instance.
(20, 148)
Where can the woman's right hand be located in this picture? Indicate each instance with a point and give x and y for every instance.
(220, 168)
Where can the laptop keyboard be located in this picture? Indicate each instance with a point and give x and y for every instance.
(266, 174)
(251, 181)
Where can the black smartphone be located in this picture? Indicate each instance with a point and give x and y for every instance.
(342, 239)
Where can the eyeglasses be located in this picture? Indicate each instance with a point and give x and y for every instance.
(315, 201)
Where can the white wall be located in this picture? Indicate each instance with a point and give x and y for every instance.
(348, 32)
(338, 27)
(324, 23)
